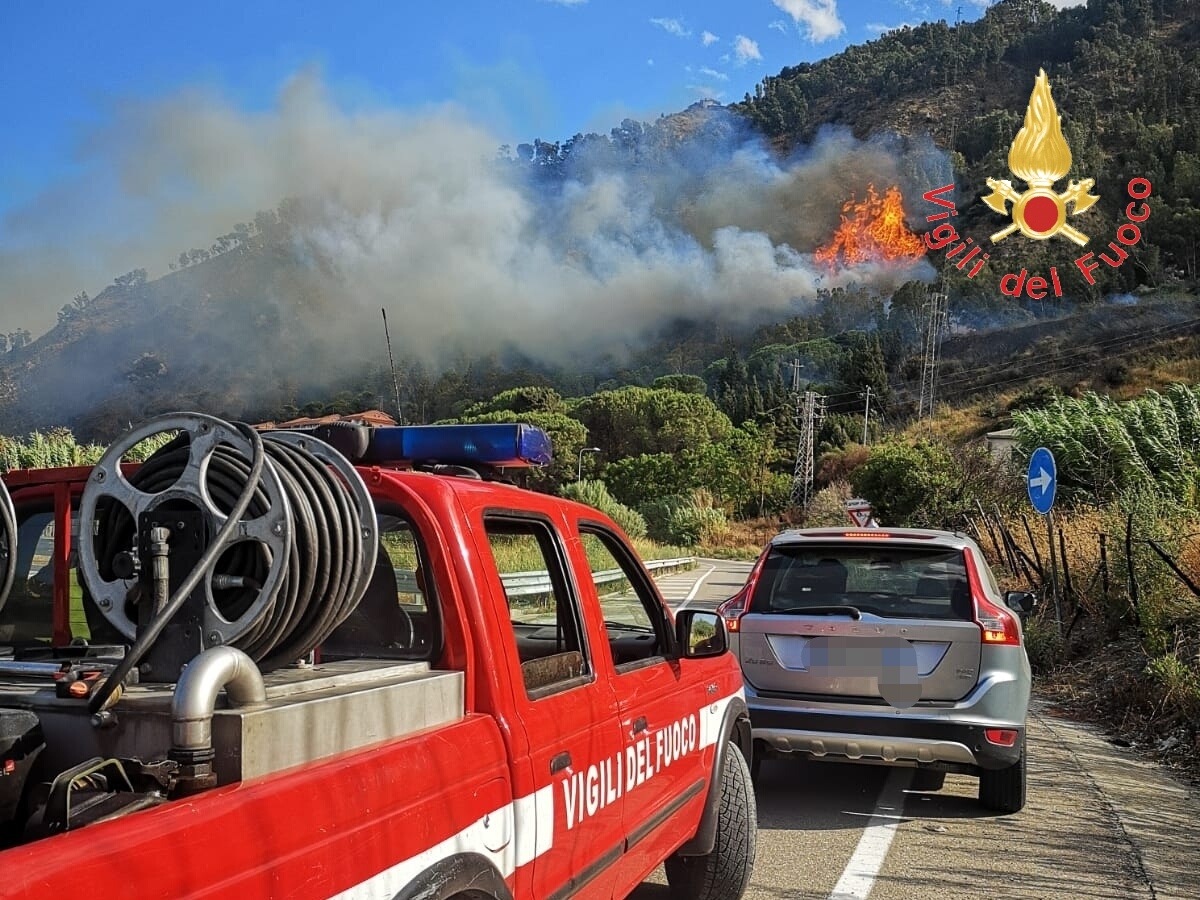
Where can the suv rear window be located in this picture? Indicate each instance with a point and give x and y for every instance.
(892, 581)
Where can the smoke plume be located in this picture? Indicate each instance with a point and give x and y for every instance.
(413, 211)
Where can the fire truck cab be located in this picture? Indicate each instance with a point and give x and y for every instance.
(351, 663)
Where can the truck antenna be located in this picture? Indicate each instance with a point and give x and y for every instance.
(392, 364)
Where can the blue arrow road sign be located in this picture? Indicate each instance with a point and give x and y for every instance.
(1041, 480)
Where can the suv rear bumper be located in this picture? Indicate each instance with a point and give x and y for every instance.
(888, 739)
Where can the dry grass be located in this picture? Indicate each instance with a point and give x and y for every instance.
(955, 424)
(743, 539)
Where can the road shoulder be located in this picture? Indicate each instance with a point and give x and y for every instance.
(1158, 814)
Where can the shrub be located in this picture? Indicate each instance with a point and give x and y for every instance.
(909, 484)
(828, 507)
(687, 519)
(595, 494)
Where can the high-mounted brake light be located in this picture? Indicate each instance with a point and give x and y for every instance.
(876, 535)
(494, 445)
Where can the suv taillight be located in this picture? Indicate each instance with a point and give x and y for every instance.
(732, 611)
(738, 605)
(999, 626)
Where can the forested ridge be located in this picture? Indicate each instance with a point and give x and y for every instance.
(1126, 81)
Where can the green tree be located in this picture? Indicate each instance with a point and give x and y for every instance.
(634, 420)
(910, 484)
(687, 384)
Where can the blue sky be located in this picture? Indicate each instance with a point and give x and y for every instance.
(135, 129)
(523, 68)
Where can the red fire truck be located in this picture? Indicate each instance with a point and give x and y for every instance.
(351, 663)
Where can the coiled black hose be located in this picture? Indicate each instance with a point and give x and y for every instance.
(8, 543)
(325, 576)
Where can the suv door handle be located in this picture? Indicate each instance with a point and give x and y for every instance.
(561, 761)
(639, 724)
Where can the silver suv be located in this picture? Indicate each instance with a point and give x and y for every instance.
(890, 646)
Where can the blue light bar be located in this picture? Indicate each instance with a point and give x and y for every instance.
(494, 445)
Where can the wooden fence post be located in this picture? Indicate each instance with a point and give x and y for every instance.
(1104, 567)
(1068, 587)
(1033, 546)
(1129, 574)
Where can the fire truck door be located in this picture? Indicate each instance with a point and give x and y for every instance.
(566, 775)
(666, 766)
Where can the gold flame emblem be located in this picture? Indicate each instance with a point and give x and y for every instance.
(1040, 156)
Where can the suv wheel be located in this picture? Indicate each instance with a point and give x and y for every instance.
(1003, 790)
(723, 874)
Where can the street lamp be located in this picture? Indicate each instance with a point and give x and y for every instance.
(579, 468)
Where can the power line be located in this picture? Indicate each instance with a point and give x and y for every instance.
(962, 375)
(1060, 363)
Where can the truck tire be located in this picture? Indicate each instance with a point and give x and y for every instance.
(723, 874)
(1003, 790)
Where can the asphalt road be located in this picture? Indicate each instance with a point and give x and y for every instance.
(1099, 822)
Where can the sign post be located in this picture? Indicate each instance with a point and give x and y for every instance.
(1041, 483)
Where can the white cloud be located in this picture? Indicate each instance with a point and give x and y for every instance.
(671, 26)
(707, 37)
(713, 73)
(779, 25)
(707, 92)
(880, 28)
(745, 49)
(818, 18)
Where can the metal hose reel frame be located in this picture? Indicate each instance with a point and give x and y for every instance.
(108, 482)
(8, 543)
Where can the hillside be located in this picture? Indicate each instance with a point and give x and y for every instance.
(677, 247)
(1125, 76)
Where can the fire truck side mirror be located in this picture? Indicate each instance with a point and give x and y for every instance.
(700, 633)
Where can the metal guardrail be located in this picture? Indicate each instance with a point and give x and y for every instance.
(519, 584)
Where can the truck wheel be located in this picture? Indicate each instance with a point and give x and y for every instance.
(1003, 790)
(723, 874)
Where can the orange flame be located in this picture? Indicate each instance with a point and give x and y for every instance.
(872, 230)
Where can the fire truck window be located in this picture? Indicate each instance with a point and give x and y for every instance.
(28, 616)
(397, 617)
(632, 610)
(546, 621)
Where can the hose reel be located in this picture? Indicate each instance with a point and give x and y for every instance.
(264, 542)
(8, 543)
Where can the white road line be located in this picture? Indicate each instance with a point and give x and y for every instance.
(859, 876)
(695, 588)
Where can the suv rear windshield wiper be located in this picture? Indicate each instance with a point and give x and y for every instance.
(853, 611)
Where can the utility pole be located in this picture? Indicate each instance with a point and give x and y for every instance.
(392, 365)
(866, 415)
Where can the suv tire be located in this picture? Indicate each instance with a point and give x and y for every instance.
(723, 874)
(1003, 790)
